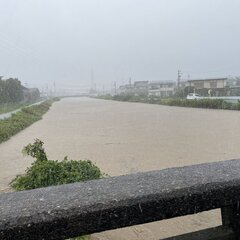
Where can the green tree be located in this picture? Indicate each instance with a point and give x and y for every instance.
(14, 90)
(11, 91)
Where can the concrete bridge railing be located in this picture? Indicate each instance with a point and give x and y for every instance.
(70, 210)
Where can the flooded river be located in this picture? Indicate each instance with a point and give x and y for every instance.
(125, 138)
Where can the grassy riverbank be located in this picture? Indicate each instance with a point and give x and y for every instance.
(200, 103)
(23, 119)
(8, 107)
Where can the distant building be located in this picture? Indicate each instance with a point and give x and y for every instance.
(161, 88)
(201, 86)
(125, 89)
(140, 88)
(183, 84)
(233, 86)
(214, 86)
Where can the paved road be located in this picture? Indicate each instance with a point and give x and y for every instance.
(125, 138)
(9, 114)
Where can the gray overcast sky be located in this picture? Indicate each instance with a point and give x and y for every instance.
(62, 40)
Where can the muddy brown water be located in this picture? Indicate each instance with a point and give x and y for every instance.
(125, 138)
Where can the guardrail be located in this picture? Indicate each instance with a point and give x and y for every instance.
(60, 212)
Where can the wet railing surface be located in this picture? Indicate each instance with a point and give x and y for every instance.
(70, 210)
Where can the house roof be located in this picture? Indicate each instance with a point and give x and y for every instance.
(125, 86)
(140, 83)
(161, 82)
(207, 79)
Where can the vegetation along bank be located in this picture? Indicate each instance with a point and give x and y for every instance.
(44, 172)
(200, 103)
(22, 119)
(14, 95)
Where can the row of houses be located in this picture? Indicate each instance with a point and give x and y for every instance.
(157, 88)
(215, 86)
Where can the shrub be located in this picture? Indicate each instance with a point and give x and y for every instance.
(51, 172)
(44, 172)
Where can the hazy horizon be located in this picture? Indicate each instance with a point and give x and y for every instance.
(71, 42)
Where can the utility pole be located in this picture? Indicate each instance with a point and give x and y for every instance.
(92, 80)
(179, 79)
(54, 88)
(115, 87)
(47, 90)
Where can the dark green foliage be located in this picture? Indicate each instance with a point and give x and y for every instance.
(11, 90)
(200, 103)
(22, 119)
(44, 172)
(35, 150)
(130, 98)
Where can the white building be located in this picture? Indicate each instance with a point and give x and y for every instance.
(161, 88)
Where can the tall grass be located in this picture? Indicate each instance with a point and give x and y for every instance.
(22, 119)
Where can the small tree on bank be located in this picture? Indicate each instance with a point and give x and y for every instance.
(44, 172)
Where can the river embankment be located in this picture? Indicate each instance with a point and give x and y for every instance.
(122, 138)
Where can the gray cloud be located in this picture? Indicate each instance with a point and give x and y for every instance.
(42, 41)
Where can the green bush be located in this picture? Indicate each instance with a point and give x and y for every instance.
(44, 172)
(200, 103)
(22, 119)
(52, 172)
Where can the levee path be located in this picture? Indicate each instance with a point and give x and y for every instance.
(125, 138)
